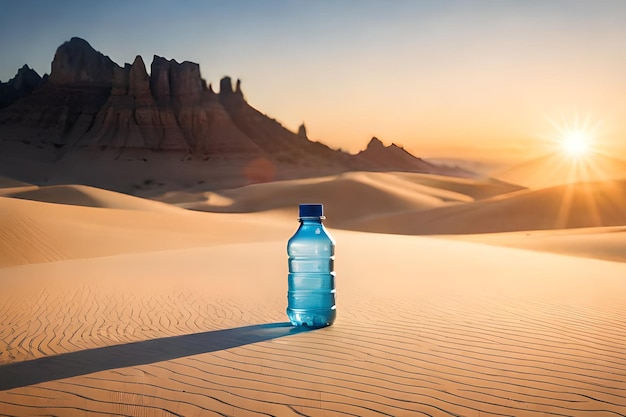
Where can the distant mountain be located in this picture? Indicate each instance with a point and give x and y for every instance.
(89, 103)
(393, 157)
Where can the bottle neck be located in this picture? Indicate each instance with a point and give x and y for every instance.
(311, 220)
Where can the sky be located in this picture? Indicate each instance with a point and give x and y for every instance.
(469, 79)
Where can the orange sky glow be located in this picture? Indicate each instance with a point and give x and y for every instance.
(480, 80)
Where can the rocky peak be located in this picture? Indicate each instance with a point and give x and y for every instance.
(226, 86)
(24, 82)
(374, 144)
(26, 79)
(392, 157)
(302, 131)
(138, 80)
(77, 63)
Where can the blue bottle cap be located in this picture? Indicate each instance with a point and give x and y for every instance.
(311, 210)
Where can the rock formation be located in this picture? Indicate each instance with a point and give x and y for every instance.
(90, 102)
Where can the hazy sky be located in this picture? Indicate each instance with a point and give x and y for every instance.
(459, 78)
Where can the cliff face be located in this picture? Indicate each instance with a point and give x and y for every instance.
(90, 102)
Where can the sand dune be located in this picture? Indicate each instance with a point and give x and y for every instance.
(349, 197)
(570, 206)
(32, 231)
(82, 195)
(6, 182)
(475, 188)
(121, 307)
(11, 186)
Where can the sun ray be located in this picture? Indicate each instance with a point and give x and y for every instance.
(575, 165)
(562, 218)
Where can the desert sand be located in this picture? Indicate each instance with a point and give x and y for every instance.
(117, 305)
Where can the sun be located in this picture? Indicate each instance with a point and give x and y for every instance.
(575, 151)
(577, 139)
(576, 143)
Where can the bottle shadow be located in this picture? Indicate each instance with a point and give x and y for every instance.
(66, 365)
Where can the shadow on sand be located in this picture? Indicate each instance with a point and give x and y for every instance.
(84, 362)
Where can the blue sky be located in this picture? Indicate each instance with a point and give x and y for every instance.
(438, 77)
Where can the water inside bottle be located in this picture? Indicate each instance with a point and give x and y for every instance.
(311, 279)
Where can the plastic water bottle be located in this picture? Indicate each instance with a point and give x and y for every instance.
(311, 250)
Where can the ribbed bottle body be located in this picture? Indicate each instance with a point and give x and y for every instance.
(311, 280)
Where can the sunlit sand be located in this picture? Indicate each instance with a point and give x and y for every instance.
(117, 305)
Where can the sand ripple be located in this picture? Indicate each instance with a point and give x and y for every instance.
(386, 356)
